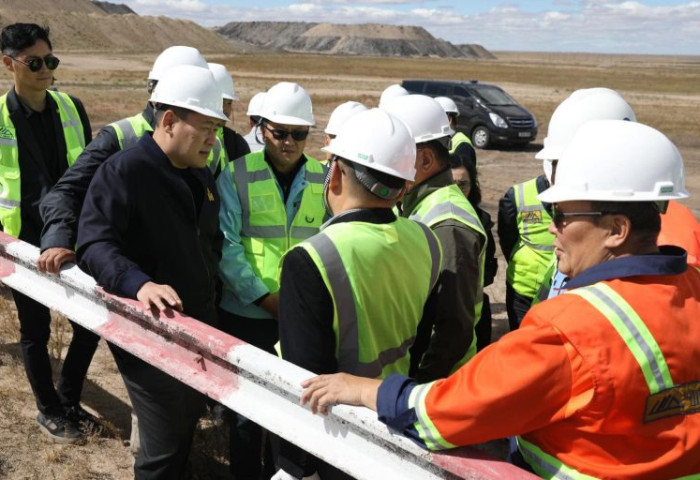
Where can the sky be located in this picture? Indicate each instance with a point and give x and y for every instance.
(596, 26)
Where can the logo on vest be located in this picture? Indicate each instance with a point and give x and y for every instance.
(310, 219)
(532, 217)
(6, 133)
(679, 400)
(210, 195)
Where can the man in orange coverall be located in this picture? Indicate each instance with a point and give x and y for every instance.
(602, 381)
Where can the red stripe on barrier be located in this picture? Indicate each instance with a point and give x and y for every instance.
(7, 267)
(465, 462)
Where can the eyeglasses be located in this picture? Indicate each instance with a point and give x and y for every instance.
(35, 63)
(559, 218)
(279, 134)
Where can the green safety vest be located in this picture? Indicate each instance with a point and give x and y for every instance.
(449, 203)
(458, 139)
(379, 277)
(265, 234)
(643, 347)
(130, 130)
(532, 256)
(10, 194)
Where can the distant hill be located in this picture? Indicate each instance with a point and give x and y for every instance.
(114, 8)
(81, 25)
(337, 39)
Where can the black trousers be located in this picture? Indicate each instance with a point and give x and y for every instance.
(517, 306)
(167, 412)
(246, 448)
(35, 330)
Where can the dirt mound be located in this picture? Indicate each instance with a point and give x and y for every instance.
(366, 39)
(82, 26)
(113, 8)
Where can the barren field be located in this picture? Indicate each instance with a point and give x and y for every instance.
(664, 92)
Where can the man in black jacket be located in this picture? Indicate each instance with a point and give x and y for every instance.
(41, 133)
(149, 231)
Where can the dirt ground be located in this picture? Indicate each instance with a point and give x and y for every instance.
(663, 90)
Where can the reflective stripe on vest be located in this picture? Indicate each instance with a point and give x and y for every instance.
(449, 203)
(386, 354)
(10, 174)
(130, 130)
(218, 157)
(264, 232)
(425, 427)
(641, 344)
(458, 139)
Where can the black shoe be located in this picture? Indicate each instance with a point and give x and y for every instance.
(59, 428)
(87, 424)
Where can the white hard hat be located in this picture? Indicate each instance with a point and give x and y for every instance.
(224, 80)
(174, 56)
(255, 104)
(447, 104)
(580, 107)
(342, 114)
(288, 103)
(192, 88)
(391, 92)
(378, 140)
(424, 116)
(614, 160)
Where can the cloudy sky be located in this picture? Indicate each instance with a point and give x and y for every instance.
(601, 26)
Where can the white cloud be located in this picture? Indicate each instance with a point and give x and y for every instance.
(162, 6)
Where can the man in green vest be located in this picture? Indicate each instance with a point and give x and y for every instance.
(42, 132)
(435, 200)
(270, 201)
(352, 296)
(460, 144)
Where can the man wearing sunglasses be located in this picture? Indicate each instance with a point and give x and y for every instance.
(270, 201)
(42, 132)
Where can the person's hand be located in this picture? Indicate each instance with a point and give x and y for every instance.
(51, 259)
(161, 297)
(327, 390)
(271, 304)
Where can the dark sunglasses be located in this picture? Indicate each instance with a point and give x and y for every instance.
(35, 63)
(279, 134)
(559, 218)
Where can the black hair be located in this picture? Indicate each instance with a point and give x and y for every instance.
(385, 185)
(457, 161)
(160, 108)
(19, 36)
(442, 153)
(644, 217)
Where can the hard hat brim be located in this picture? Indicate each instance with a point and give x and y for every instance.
(557, 194)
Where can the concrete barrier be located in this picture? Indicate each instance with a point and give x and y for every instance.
(260, 386)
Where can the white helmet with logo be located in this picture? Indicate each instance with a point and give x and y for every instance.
(424, 116)
(342, 114)
(255, 104)
(192, 88)
(224, 79)
(448, 105)
(391, 92)
(174, 56)
(379, 141)
(288, 103)
(615, 160)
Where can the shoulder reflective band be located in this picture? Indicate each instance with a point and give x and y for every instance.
(633, 331)
(435, 255)
(72, 122)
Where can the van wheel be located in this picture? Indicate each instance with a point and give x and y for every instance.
(481, 137)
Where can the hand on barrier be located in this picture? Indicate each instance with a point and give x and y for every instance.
(282, 475)
(327, 390)
(51, 259)
(162, 297)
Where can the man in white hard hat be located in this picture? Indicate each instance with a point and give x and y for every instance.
(270, 201)
(391, 92)
(433, 199)
(60, 208)
(603, 381)
(255, 142)
(352, 296)
(341, 114)
(231, 144)
(460, 144)
(145, 206)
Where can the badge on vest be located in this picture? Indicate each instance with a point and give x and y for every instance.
(679, 400)
(6, 133)
(210, 195)
(532, 217)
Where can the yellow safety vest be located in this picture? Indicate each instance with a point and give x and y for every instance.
(458, 139)
(10, 183)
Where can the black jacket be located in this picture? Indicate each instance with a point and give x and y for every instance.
(139, 223)
(60, 208)
(36, 177)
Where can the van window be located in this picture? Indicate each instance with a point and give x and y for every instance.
(493, 96)
(461, 92)
(413, 86)
(437, 90)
